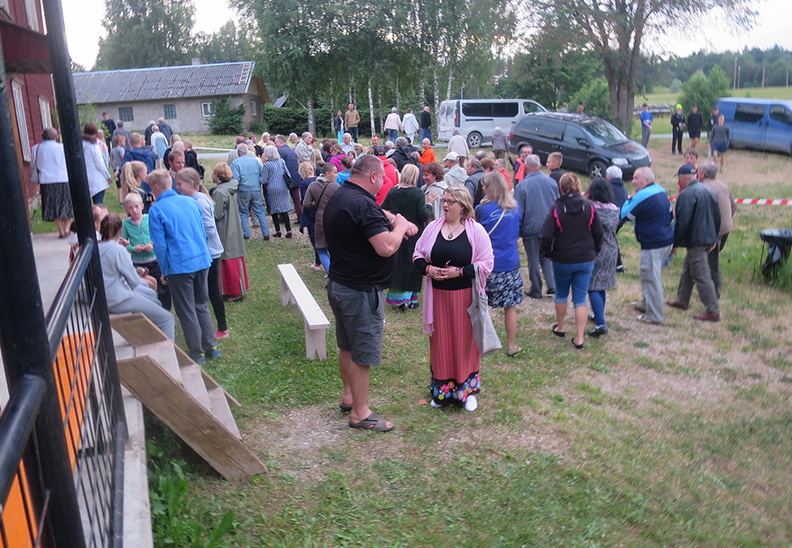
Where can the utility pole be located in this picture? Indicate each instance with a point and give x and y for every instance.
(734, 78)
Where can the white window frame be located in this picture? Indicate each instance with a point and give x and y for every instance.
(207, 109)
(19, 109)
(46, 113)
(254, 107)
(32, 15)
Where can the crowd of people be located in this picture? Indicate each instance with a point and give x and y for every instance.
(391, 226)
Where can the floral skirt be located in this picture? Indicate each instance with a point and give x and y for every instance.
(56, 201)
(504, 289)
(453, 354)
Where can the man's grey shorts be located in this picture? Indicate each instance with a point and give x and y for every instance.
(359, 320)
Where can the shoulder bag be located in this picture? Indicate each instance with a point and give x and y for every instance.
(287, 176)
(484, 332)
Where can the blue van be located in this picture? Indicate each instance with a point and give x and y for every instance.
(762, 124)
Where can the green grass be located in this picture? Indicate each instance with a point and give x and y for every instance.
(662, 96)
(677, 435)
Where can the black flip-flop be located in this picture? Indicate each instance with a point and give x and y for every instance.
(373, 422)
(346, 407)
(578, 346)
(558, 333)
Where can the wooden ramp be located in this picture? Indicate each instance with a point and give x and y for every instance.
(183, 396)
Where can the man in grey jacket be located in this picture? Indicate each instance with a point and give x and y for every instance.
(536, 194)
(698, 221)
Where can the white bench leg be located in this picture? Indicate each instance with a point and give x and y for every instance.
(286, 295)
(315, 343)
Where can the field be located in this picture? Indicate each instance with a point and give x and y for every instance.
(663, 96)
(671, 435)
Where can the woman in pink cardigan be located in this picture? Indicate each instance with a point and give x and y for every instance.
(449, 252)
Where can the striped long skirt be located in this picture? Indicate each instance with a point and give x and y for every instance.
(453, 354)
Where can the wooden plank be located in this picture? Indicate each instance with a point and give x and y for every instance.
(209, 382)
(193, 382)
(147, 340)
(222, 411)
(174, 406)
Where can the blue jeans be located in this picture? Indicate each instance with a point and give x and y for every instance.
(251, 199)
(393, 134)
(98, 198)
(324, 258)
(426, 134)
(576, 276)
(597, 299)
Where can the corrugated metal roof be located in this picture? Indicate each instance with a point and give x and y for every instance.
(114, 86)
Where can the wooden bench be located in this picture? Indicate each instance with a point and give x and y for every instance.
(293, 289)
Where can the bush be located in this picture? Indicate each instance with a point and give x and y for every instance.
(676, 86)
(226, 120)
(256, 127)
(704, 91)
(596, 97)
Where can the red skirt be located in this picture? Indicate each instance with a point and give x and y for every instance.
(453, 353)
(235, 279)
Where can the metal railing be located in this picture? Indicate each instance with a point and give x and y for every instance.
(92, 424)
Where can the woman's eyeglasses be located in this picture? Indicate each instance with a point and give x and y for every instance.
(449, 202)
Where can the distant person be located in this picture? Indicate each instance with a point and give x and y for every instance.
(564, 108)
(428, 154)
(519, 164)
(159, 143)
(581, 108)
(410, 125)
(695, 123)
(458, 144)
(614, 177)
(500, 143)
(95, 167)
(351, 121)
(426, 125)
(554, 161)
(708, 175)
(720, 141)
(454, 173)
(49, 160)
(646, 124)
(338, 123)
(473, 181)
(603, 277)
(713, 121)
(116, 159)
(121, 130)
(304, 147)
(274, 183)
(393, 124)
(677, 130)
(140, 153)
(293, 167)
(165, 128)
(233, 266)
(109, 128)
(316, 197)
(247, 170)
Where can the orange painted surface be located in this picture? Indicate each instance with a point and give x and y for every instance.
(19, 521)
(72, 375)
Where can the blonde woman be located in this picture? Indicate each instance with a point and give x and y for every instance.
(133, 179)
(450, 251)
(500, 216)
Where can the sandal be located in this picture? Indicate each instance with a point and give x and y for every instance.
(558, 333)
(511, 353)
(346, 407)
(373, 422)
(578, 346)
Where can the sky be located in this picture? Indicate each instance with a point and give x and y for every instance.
(83, 20)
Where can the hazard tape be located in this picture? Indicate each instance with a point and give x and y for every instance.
(756, 201)
(762, 201)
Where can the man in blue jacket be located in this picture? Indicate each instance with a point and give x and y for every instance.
(652, 215)
(176, 228)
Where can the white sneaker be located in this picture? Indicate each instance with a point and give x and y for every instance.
(472, 403)
(434, 404)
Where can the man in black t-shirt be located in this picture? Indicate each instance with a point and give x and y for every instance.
(361, 239)
(694, 124)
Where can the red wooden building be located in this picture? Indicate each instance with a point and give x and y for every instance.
(27, 60)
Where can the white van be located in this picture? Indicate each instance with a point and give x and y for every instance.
(476, 119)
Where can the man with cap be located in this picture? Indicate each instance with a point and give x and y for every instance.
(652, 215)
(454, 173)
(677, 130)
(697, 224)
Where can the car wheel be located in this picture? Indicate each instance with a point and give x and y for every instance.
(597, 169)
(474, 139)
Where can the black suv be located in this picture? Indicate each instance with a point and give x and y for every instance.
(589, 144)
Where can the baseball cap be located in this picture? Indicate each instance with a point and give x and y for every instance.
(686, 169)
(452, 156)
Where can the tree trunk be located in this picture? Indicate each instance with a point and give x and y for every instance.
(311, 122)
(332, 106)
(398, 95)
(379, 105)
(350, 90)
(422, 87)
(371, 106)
(436, 86)
(450, 82)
